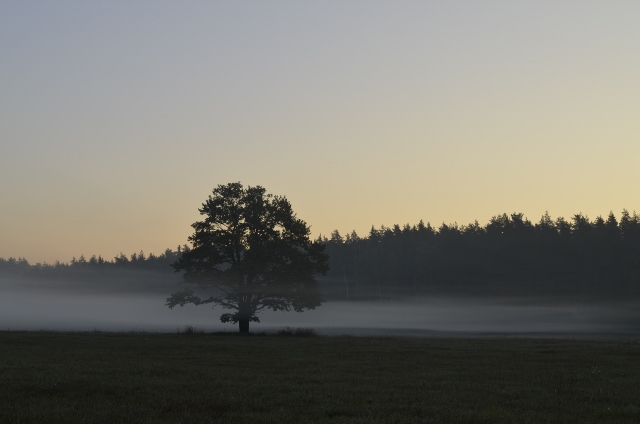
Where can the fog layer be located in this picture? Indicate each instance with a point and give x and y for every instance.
(55, 309)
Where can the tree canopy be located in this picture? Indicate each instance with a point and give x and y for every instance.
(252, 253)
(510, 255)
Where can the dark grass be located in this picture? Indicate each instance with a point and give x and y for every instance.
(48, 377)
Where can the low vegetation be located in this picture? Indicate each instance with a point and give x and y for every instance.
(194, 377)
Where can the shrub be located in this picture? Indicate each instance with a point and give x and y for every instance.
(298, 332)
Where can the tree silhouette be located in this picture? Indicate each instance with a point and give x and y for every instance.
(509, 255)
(254, 253)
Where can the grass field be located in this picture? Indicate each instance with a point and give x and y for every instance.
(48, 377)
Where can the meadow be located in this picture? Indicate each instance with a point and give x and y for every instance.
(55, 377)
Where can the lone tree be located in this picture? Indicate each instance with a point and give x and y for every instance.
(252, 253)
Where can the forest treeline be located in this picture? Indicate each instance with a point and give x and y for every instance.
(138, 261)
(510, 255)
(135, 273)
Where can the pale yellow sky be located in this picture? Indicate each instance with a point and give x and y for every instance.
(116, 121)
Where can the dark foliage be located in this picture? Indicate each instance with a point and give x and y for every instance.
(509, 255)
(253, 253)
(137, 261)
(139, 272)
(297, 332)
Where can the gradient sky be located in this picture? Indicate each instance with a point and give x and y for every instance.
(118, 118)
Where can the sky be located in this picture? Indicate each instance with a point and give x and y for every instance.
(117, 119)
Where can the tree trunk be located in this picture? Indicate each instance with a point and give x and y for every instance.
(344, 274)
(244, 325)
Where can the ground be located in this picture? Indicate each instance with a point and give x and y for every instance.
(48, 377)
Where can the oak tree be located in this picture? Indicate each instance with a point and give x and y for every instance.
(250, 252)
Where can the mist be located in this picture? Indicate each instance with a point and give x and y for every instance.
(58, 308)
